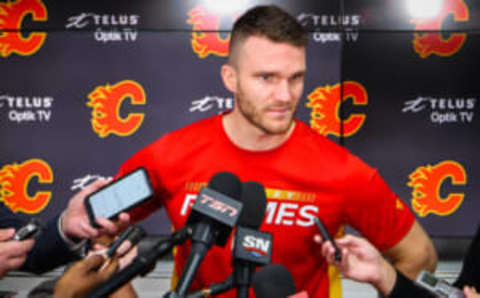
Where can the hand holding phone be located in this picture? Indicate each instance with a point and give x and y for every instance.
(326, 237)
(119, 196)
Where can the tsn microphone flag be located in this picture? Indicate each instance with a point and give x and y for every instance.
(224, 210)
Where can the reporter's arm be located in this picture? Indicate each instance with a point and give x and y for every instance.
(362, 262)
(405, 287)
(84, 276)
(50, 250)
(62, 235)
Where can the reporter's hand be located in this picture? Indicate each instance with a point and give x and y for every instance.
(12, 253)
(470, 292)
(84, 276)
(125, 252)
(362, 262)
(75, 222)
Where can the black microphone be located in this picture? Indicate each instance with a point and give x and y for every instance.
(214, 289)
(141, 264)
(133, 234)
(212, 218)
(251, 247)
(273, 280)
(244, 256)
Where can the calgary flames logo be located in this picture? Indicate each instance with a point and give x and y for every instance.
(14, 181)
(206, 43)
(325, 104)
(426, 182)
(11, 18)
(106, 102)
(433, 43)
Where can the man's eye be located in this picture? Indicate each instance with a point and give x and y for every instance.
(266, 77)
(297, 77)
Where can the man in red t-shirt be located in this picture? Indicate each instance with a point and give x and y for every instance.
(304, 173)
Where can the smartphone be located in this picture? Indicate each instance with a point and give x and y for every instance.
(30, 230)
(133, 233)
(119, 196)
(326, 237)
(438, 286)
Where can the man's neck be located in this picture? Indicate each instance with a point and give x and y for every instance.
(249, 137)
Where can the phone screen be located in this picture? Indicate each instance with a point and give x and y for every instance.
(121, 195)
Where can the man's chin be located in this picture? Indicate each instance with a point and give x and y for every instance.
(277, 129)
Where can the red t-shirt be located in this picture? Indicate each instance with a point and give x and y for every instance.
(306, 176)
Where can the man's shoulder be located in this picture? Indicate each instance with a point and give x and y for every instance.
(191, 132)
(196, 129)
(185, 140)
(313, 140)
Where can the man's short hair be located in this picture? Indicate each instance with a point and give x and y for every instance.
(270, 22)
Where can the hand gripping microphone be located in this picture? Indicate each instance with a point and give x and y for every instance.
(273, 280)
(212, 218)
(251, 247)
(140, 265)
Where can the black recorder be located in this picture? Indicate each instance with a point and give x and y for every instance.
(30, 230)
(326, 237)
(119, 196)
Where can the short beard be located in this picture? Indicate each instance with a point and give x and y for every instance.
(254, 118)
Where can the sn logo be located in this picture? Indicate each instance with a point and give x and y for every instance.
(255, 244)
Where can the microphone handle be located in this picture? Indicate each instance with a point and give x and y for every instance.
(191, 268)
(242, 273)
(202, 240)
(215, 289)
(120, 278)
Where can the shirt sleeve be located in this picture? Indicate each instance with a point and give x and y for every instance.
(145, 158)
(373, 209)
(405, 287)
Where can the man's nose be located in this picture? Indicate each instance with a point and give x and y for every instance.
(282, 91)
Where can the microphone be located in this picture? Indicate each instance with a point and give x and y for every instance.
(212, 218)
(273, 280)
(133, 234)
(214, 289)
(141, 264)
(244, 258)
(251, 247)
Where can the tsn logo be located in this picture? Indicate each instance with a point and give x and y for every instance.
(218, 206)
(277, 213)
(256, 245)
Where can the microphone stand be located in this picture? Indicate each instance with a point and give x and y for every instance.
(203, 236)
(243, 278)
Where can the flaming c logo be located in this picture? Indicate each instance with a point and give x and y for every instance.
(426, 182)
(433, 43)
(106, 102)
(325, 104)
(14, 181)
(11, 17)
(205, 43)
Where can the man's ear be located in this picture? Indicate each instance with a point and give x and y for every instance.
(229, 77)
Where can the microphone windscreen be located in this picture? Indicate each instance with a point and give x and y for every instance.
(227, 184)
(254, 202)
(273, 280)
